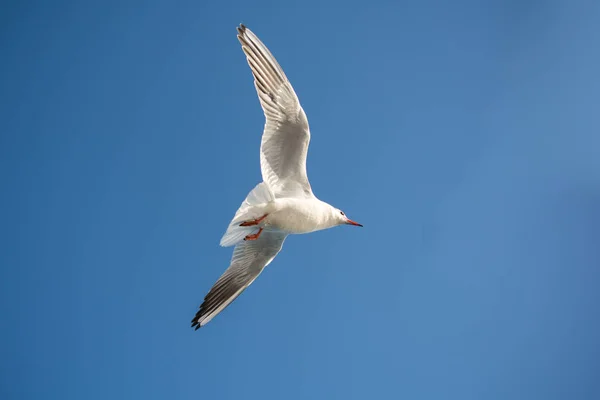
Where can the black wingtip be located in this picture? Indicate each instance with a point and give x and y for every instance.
(195, 324)
(241, 29)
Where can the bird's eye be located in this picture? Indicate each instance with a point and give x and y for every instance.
(341, 212)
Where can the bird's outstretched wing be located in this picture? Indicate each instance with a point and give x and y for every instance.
(248, 261)
(286, 135)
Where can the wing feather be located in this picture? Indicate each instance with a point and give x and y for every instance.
(248, 261)
(286, 135)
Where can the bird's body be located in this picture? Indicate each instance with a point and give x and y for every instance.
(297, 216)
(283, 203)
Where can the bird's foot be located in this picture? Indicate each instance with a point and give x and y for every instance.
(254, 236)
(254, 221)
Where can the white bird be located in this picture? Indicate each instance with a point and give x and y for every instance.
(283, 203)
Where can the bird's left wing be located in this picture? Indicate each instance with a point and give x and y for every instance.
(286, 135)
(248, 260)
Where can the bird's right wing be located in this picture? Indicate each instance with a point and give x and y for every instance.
(248, 260)
(286, 135)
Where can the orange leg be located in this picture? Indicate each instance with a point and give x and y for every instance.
(254, 236)
(254, 221)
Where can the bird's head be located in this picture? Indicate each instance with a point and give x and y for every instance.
(341, 218)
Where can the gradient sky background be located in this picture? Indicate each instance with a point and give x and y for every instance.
(464, 135)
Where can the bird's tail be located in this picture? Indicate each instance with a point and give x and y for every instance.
(252, 208)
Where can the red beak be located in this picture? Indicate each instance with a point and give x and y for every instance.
(350, 222)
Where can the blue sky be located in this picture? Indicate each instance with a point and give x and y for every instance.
(463, 135)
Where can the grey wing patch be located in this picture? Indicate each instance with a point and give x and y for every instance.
(269, 77)
(223, 293)
(248, 261)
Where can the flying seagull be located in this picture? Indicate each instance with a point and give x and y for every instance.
(283, 203)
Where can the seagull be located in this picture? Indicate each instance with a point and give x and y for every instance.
(283, 203)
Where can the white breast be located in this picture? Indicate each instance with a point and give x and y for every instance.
(298, 215)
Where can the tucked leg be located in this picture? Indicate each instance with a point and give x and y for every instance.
(254, 236)
(254, 221)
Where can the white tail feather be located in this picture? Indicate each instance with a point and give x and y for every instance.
(251, 208)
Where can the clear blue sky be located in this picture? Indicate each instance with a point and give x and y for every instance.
(463, 135)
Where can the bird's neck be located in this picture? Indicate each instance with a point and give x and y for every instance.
(326, 216)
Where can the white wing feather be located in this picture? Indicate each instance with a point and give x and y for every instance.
(248, 261)
(286, 135)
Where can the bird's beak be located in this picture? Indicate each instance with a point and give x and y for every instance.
(350, 222)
